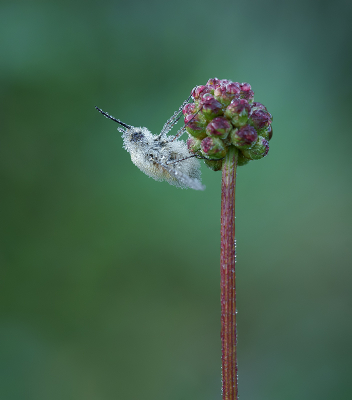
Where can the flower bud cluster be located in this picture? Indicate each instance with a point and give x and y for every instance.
(225, 114)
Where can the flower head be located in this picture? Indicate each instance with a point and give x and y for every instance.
(225, 114)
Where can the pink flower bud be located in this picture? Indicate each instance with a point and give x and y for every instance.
(233, 88)
(246, 92)
(260, 119)
(199, 91)
(213, 147)
(224, 82)
(218, 127)
(221, 95)
(189, 108)
(213, 82)
(195, 125)
(206, 96)
(244, 137)
(258, 106)
(258, 151)
(210, 107)
(238, 111)
(193, 144)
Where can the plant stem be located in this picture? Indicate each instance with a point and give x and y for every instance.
(228, 280)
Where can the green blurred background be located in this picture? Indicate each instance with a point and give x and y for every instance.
(110, 280)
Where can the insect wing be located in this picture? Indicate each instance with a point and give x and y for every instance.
(183, 180)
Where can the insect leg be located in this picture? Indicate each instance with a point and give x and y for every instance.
(194, 155)
(209, 159)
(181, 131)
(174, 119)
(181, 159)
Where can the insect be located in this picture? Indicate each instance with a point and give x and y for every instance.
(162, 157)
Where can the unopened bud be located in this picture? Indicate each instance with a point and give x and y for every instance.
(213, 147)
(258, 151)
(218, 127)
(195, 125)
(258, 106)
(210, 107)
(260, 119)
(193, 144)
(270, 132)
(246, 92)
(266, 133)
(233, 88)
(199, 91)
(221, 95)
(238, 111)
(244, 137)
(224, 82)
(242, 160)
(189, 108)
(215, 165)
(212, 84)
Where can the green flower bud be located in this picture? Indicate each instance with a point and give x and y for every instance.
(237, 112)
(218, 127)
(258, 151)
(244, 137)
(210, 107)
(242, 160)
(221, 95)
(213, 147)
(193, 144)
(195, 125)
(215, 165)
(266, 133)
(260, 118)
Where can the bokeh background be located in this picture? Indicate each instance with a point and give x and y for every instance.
(110, 280)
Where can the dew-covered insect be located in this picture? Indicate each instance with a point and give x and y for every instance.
(162, 157)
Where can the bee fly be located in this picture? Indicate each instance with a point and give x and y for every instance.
(162, 157)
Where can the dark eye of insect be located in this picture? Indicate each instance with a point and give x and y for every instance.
(173, 156)
(136, 136)
(161, 144)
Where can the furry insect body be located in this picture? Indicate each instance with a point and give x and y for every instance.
(160, 156)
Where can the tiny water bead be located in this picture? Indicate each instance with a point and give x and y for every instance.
(225, 114)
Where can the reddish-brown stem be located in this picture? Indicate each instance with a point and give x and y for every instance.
(228, 280)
